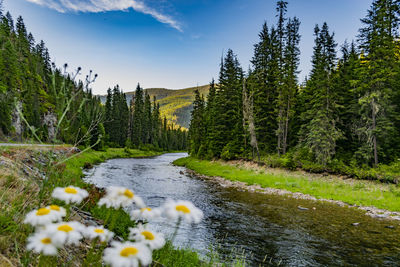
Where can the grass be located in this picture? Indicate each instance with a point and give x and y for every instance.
(21, 192)
(365, 193)
(73, 169)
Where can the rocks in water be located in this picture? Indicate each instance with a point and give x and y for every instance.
(181, 172)
(355, 224)
(302, 208)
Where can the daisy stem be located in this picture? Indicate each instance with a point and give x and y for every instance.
(106, 221)
(113, 221)
(68, 208)
(178, 224)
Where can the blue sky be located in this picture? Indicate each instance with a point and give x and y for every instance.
(170, 43)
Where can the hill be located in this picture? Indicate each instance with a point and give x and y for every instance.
(175, 104)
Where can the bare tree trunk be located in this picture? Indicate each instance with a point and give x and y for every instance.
(248, 116)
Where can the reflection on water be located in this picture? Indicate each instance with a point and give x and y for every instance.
(261, 225)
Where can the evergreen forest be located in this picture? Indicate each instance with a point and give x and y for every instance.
(45, 103)
(343, 118)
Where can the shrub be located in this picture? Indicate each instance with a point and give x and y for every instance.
(227, 152)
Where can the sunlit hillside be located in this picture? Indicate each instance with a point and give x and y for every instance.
(175, 104)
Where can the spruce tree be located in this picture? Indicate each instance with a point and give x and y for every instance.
(319, 131)
(378, 85)
(229, 128)
(137, 127)
(197, 127)
(345, 83)
(263, 82)
(210, 122)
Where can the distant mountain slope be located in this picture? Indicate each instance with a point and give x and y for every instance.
(175, 104)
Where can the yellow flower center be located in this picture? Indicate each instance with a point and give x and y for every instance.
(65, 228)
(46, 241)
(182, 208)
(99, 231)
(129, 251)
(148, 235)
(128, 193)
(71, 190)
(42, 211)
(55, 207)
(144, 209)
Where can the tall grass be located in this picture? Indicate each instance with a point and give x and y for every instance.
(19, 194)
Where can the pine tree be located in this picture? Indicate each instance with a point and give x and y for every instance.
(156, 124)
(291, 60)
(378, 84)
(210, 122)
(320, 131)
(137, 125)
(281, 87)
(147, 120)
(229, 128)
(345, 83)
(197, 127)
(108, 113)
(263, 82)
(124, 119)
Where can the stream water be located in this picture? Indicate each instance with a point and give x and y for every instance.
(266, 229)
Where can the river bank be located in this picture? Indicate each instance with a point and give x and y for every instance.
(263, 229)
(27, 177)
(376, 199)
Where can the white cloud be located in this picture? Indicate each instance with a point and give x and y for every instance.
(107, 5)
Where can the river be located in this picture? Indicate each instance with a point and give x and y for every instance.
(263, 228)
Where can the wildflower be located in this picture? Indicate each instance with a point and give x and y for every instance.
(58, 211)
(182, 210)
(42, 242)
(41, 217)
(66, 232)
(70, 194)
(141, 234)
(127, 254)
(145, 214)
(117, 197)
(93, 232)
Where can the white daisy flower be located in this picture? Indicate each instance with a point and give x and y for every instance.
(58, 211)
(127, 254)
(70, 194)
(41, 217)
(182, 209)
(117, 197)
(145, 214)
(100, 232)
(141, 234)
(42, 242)
(66, 232)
